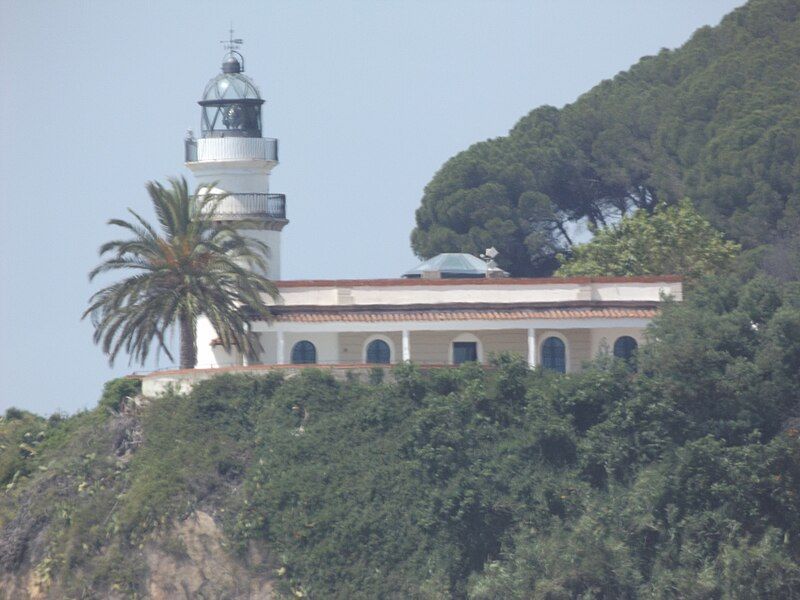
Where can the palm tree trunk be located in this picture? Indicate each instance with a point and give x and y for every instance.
(188, 342)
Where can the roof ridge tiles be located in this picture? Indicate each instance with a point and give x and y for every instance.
(466, 315)
(462, 306)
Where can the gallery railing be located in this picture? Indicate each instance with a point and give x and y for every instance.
(252, 205)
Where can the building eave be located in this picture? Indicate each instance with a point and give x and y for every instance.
(466, 311)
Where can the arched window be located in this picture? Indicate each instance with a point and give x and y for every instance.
(378, 353)
(554, 355)
(304, 353)
(624, 347)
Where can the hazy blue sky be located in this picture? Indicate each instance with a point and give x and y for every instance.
(368, 100)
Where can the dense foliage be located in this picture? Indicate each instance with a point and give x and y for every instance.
(673, 240)
(678, 479)
(716, 120)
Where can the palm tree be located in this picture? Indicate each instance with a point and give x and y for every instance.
(194, 266)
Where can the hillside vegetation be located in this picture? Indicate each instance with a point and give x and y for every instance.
(679, 479)
(717, 120)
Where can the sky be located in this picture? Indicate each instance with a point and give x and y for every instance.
(368, 100)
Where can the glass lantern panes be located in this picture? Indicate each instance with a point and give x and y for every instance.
(231, 107)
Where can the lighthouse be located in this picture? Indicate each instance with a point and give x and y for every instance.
(233, 157)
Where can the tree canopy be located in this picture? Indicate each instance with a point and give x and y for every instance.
(716, 120)
(195, 266)
(673, 240)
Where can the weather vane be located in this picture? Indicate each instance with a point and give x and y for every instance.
(232, 44)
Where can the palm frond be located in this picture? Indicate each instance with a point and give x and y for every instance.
(193, 266)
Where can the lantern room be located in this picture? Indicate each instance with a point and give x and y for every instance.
(231, 103)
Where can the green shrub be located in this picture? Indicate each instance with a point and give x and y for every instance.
(117, 390)
(13, 413)
(376, 375)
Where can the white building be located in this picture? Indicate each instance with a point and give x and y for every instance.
(449, 310)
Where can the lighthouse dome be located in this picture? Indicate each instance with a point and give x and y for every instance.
(231, 104)
(231, 86)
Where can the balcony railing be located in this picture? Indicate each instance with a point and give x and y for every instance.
(253, 205)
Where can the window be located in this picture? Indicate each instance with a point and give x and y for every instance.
(554, 355)
(465, 352)
(378, 353)
(624, 347)
(304, 353)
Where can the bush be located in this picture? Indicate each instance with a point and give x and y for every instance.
(117, 390)
(13, 413)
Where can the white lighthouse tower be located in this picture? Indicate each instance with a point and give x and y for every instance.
(232, 154)
(232, 157)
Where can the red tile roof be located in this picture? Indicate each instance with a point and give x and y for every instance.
(312, 314)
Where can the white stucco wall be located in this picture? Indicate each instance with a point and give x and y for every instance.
(522, 292)
(435, 347)
(427, 347)
(244, 177)
(327, 345)
(352, 345)
(212, 356)
(272, 239)
(269, 344)
(603, 339)
(578, 346)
